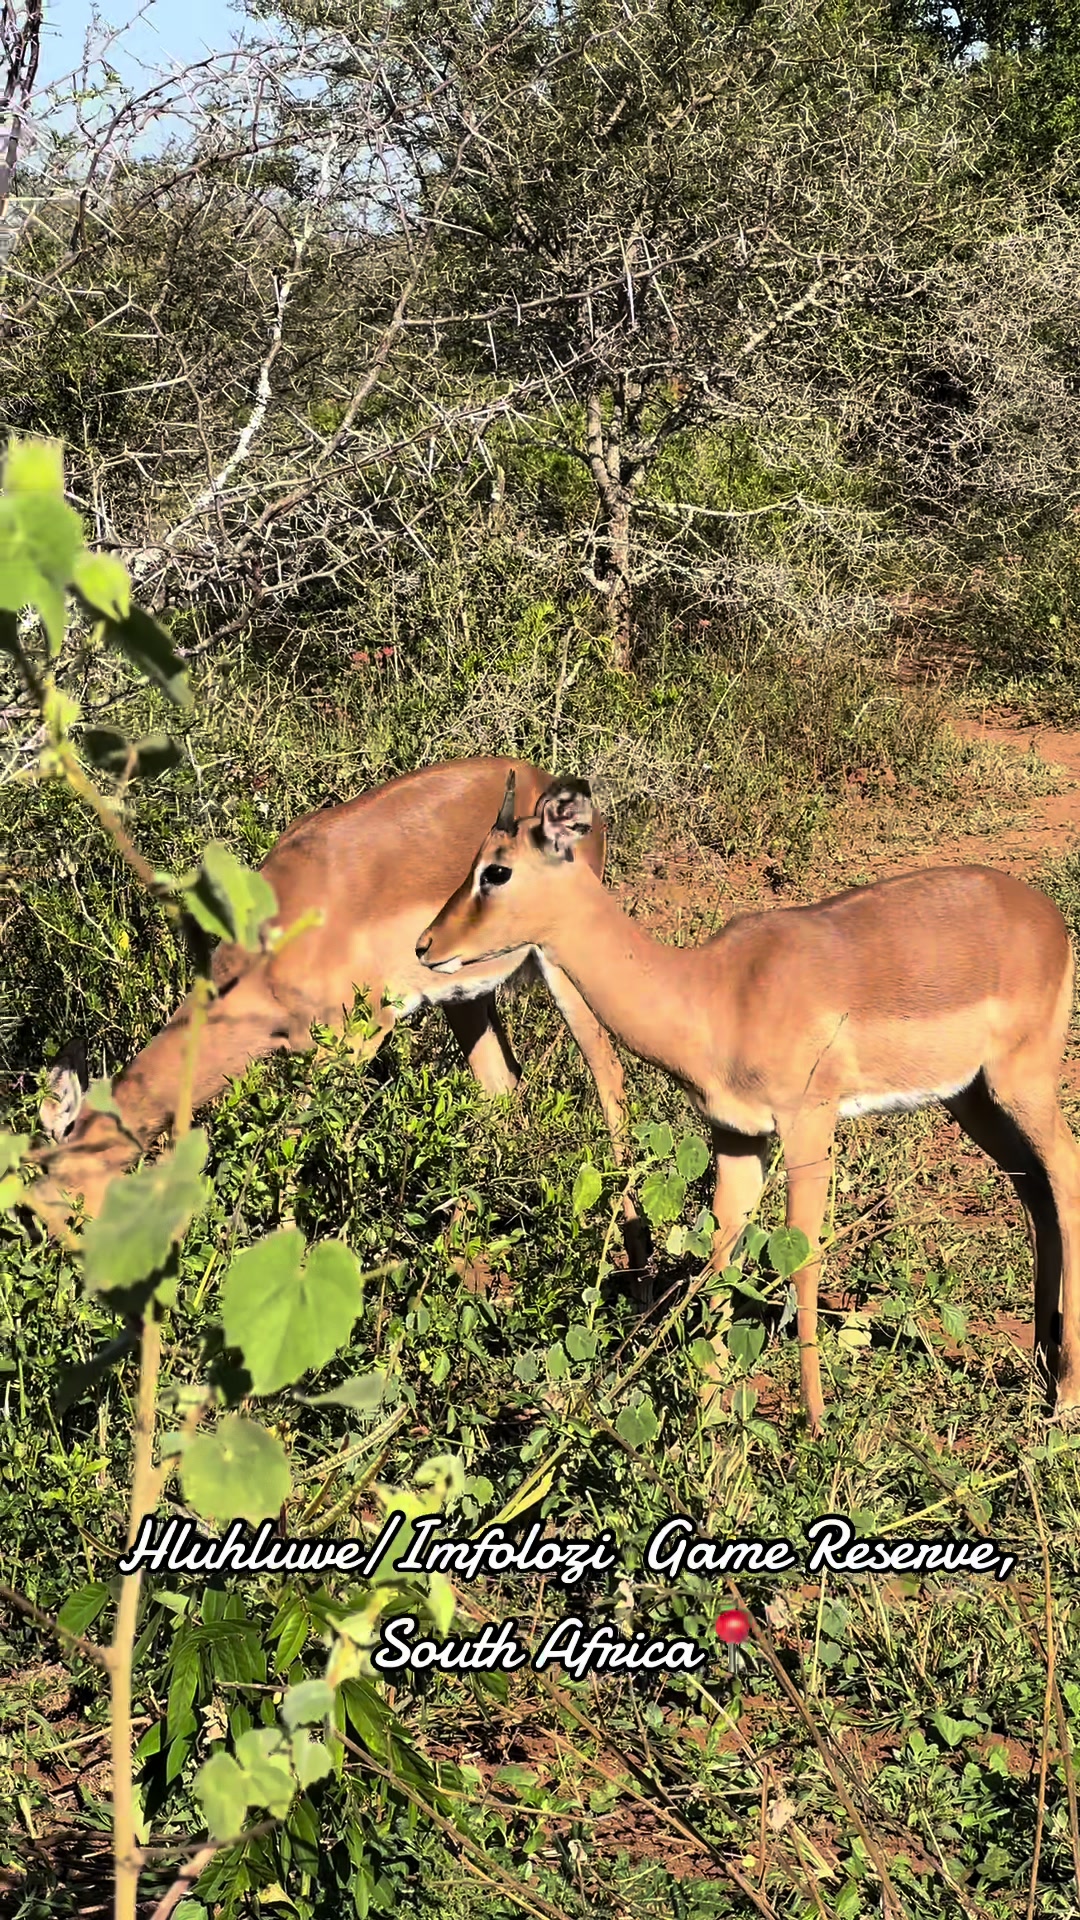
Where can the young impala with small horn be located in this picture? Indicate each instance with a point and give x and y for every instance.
(953, 984)
(377, 868)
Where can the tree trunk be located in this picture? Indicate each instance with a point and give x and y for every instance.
(617, 572)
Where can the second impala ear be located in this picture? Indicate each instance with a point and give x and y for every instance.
(505, 821)
(564, 813)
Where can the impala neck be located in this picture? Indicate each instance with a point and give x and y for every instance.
(643, 992)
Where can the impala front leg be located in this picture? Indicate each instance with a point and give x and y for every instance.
(808, 1143)
(741, 1164)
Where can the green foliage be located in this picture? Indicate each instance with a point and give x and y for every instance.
(144, 1216)
(287, 1314)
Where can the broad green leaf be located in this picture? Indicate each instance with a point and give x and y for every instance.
(307, 1703)
(82, 1608)
(691, 1157)
(221, 1791)
(227, 899)
(12, 1148)
(364, 1393)
(753, 1239)
(703, 1354)
(676, 1242)
(287, 1317)
(953, 1731)
(143, 1215)
(581, 1343)
(12, 1191)
(660, 1140)
(588, 1187)
(34, 466)
(238, 1472)
(150, 649)
(953, 1321)
(261, 1755)
(310, 1758)
(19, 581)
(557, 1363)
(745, 1341)
(663, 1196)
(104, 583)
(526, 1368)
(638, 1426)
(789, 1249)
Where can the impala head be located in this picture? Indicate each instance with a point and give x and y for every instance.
(504, 903)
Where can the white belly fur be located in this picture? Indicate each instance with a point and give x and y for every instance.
(908, 1101)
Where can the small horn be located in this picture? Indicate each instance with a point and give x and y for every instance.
(509, 800)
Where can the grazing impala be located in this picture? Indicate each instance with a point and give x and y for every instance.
(378, 867)
(952, 984)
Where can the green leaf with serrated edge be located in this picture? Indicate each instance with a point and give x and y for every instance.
(149, 648)
(34, 466)
(703, 1354)
(104, 583)
(287, 1317)
(691, 1157)
(143, 1215)
(307, 1703)
(364, 1393)
(789, 1249)
(662, 1197)
(12, 1148)
(228, 900)
(82, 1608)
(526, 1368)
(238, 1472)
(588, 1187)
(222, 1792)
(310, 1758)
(581, 1343)
(660, 1140)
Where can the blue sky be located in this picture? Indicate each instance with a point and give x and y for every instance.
(168, 30)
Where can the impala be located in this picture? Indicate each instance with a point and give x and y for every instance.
(377, 867)
(953, 984)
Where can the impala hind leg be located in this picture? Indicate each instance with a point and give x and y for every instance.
(807, 1141)
(1019, 1123)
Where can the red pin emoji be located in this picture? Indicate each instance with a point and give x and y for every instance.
(733, 1627)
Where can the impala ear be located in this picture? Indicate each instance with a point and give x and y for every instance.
(68, 1081)
(506, 814)
(564, 813)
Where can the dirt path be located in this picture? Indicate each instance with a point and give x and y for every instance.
(1048, 824)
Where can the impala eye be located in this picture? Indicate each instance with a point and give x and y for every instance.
(494, 877)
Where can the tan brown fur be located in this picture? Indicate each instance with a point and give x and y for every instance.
(378, 867)
(950, 983)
